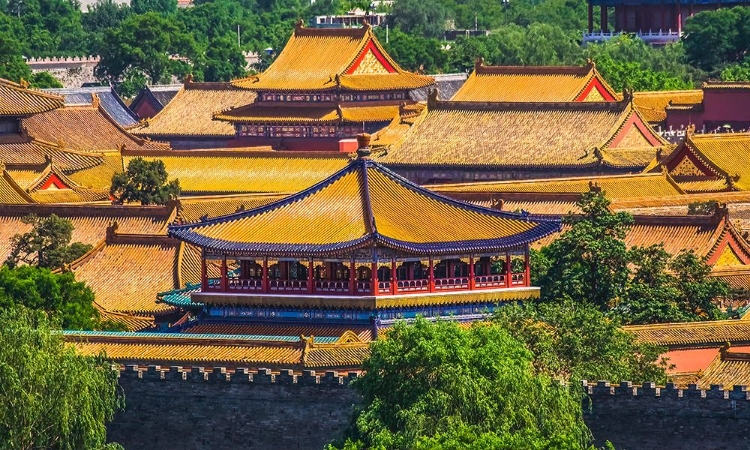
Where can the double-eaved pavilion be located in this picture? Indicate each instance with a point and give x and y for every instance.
(326, 85)
(364, 239)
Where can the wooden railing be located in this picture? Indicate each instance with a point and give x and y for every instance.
(489, 281)
(447, 284)
(412, 285)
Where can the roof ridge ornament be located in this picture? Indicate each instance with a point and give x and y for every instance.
(479, 62)
(299, 24)
(363, 148)
(432, 99)
(591, 63)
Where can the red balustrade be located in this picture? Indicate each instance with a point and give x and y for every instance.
(384, 287)
(241, 284)
(412, 285)
(517, 279)
(448, 284)
(364, 287)
(489, 281)
(287, 285)
(341, 287)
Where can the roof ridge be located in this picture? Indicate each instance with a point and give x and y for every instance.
(531, 106)
(20, 88)
(366, 201)
(481, 69)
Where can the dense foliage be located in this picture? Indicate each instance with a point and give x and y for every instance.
(209, 39)
(590, 264)
(439, 386)
(145, 182)
(46, 245)
(58, 294)
(50, 397)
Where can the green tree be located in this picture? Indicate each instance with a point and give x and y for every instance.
(47, 244)
(44, 80)
(418, 18)
(589, 261)
(736, 72)
(572, 342)
(412, 52)
(144, 182)
(697, 289)
(158, 6)
(724, 31)
(57, 294)
(12, 65)
(50, 397)
(436, 385)
(150, 43)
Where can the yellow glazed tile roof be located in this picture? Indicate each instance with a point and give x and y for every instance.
(528, 134)
(321, 59)
(195, 353)
(364, 333)
(193, 208)
(25, 152)
(131, 322)
(529, 84)
(191, 111)
(614, 186)
(89, 222)
(17, 100)
(215, 350)
(727, 153)
(692, 333)
(85, 129)
(99, 176)
(126, 277)
(727, 369)
(251, 172)
(360, 205)
(11, 192)
(653, 104)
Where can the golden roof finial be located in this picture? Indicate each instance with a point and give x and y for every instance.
(590, 62)
(95, 101)
(363, 146)
(299, 24)
(188, 78)
(24, 84)
(479, 62)
(690, 130)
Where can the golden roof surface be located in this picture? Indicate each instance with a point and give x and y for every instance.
(692, 333)
(11, 192)
(100, 175)
(614, 186)
(653, 104)
(17, 100)
(89, 222)
(227, 172)
(32, 152)
(191, 111)
(327, 58)
(360, 205)
(531, 84)
(193, 208)
(528, 134)
(726, 153)
(211, 349)
(85, 129)
(727, 369)
(126, 276)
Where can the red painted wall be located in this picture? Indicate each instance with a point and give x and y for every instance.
(145, 110)
(731, 106)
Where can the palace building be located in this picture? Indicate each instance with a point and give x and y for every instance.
(656, 22)
(535, 84)
(325, 86)
(363, 245)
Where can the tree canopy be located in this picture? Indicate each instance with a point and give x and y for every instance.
(590, 264)
(47, 244)
(57, 294)
(439, 386)
(50, 397)
(145, 182)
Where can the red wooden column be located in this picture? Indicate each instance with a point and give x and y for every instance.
(310, 277)
(527, 266)
(204, 274)
(603, 18)
(224, 275)
(471, 272)
(431, 277)
(394, 278)
(264, 281)
(508, 271)
(679, 17)
(353, 277)
(374, 278)
(591, 17)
